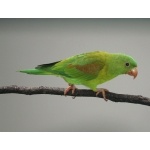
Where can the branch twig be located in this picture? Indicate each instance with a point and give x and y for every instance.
(136, 99)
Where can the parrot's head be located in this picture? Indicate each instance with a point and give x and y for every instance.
(126, 65)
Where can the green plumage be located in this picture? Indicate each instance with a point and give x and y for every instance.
(89, 69)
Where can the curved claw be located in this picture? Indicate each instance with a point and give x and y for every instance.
(101, 90)
(70, 87)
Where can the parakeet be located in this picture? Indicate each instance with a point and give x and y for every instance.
(89, 69)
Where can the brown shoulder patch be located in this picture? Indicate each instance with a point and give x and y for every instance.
(88, 68)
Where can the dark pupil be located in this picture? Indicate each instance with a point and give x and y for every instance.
(127, 64)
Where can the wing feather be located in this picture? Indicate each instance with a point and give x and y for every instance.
(82, 67)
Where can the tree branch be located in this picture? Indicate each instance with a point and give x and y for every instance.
(136, 99)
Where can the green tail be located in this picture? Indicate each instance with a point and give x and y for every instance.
(44, 69)
(35, 72)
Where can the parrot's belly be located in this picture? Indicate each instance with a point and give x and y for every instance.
(92, 84)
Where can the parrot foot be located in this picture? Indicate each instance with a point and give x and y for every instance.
(101, 90)
(70, 87)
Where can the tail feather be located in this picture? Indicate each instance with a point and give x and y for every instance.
(35, 72)
(44, 69)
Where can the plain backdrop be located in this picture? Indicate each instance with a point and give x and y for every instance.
(26, 43)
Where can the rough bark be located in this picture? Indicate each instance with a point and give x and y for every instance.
(136, 99)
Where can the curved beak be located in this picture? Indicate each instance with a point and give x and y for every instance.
(133, 72)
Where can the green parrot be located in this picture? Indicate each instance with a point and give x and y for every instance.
(89, 69)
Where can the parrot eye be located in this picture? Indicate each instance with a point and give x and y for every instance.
(127, 64)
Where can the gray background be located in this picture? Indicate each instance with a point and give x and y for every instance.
(26, 43)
